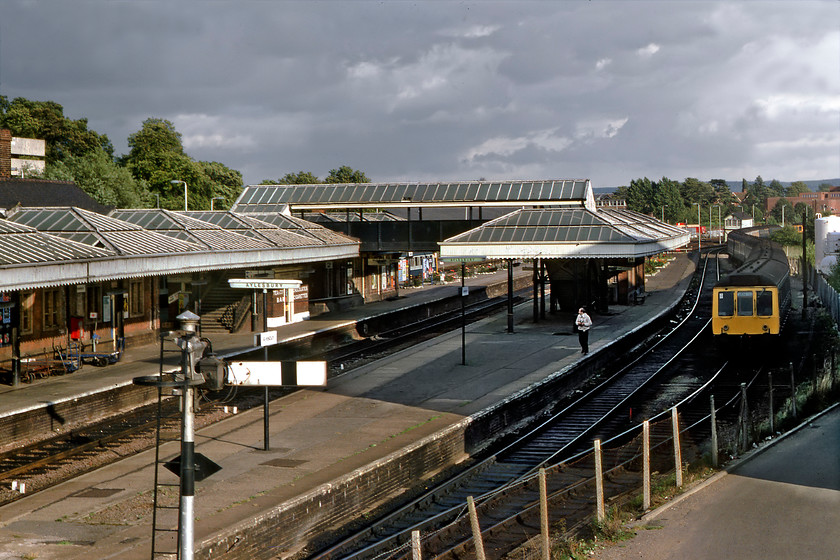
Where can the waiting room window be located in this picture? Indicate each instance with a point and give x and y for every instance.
(52, 307)
(135, 298)
(27, 303)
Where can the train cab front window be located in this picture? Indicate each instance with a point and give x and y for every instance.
(764, 303)
(745, 304)
(726, 304)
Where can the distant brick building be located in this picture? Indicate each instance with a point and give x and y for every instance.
(821, 202)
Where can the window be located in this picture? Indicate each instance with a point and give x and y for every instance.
(135, 298)
(764, 303)
(27, 303)
(52, 305)
(745, 304)
(726, 304)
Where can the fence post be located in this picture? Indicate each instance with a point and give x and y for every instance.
(415, 546)
(675, 425)
(476, 530)
(715, 461)
(743, 433)
(599, 481)
(646, 465)
(792, 391)
(770, 392)
(546, 544)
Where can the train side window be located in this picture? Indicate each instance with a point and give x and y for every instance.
(764, 303)
(726, 304)
(745, 304)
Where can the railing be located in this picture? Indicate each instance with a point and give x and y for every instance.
(828, 295)
(234, 314)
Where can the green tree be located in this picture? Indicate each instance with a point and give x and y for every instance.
(641, 196)
(224, 182)
(157, 157)
(45, 120)
(776, 213)
(825, 187)
(98, 175)
(787, 236)
(346, 174)
(299, 178)
(796, 188)
(775, 188)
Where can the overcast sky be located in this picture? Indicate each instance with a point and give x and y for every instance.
(445, 90)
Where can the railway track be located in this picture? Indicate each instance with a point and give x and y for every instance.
(561, 436)
(50, 461)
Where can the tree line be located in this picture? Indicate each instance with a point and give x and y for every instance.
(675, 201)
(142, 178)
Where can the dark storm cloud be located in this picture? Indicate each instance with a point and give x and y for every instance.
(449, 90)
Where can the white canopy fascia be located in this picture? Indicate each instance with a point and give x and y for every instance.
(46, 275)
(457, 251)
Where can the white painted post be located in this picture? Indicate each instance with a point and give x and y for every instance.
(675, 423)
(715, 460)
(599, 481)
(476, 530)
(770, 392)
(646, 465)
(546, 544)
(415, 546)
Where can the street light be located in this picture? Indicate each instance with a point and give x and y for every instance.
(663, 212)
(157, 199)
(783, 215)
(215, 198)
(175, 182)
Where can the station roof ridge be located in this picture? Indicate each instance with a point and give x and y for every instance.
(289, 234)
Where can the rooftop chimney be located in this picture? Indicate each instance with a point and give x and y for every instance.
(5, 153)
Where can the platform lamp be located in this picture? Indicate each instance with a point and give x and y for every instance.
(175, 182)
(215, 198)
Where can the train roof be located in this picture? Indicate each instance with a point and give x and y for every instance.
(766, 265)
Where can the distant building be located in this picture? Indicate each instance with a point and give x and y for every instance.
(18, 190)
(823, 203)
(20, 157)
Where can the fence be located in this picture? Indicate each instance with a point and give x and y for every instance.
(828, 296)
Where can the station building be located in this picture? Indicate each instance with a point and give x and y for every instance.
(72, 270)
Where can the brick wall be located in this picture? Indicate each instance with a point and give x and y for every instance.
(5, 153)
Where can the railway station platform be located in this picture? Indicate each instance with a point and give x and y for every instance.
(781, 500)
(369, 434)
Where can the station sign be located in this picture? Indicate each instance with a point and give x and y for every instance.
(277, 374)
(268, 338)
(263, 284)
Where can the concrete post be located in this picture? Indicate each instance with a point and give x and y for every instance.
(476, 530)
(715, 460)
(646, 465)
(544, 536)
(599, 482)
(416, 552)
(675, 425)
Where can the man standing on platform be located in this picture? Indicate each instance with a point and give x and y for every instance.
(583, 324)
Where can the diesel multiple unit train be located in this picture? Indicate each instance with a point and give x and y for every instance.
(754, 298)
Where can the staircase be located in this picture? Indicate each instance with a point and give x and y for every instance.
(223, 309)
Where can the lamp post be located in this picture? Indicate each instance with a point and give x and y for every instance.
(720, 222)
(175, 182)
(215, 198)
(157, 200)
(783, 215)
(663, 213)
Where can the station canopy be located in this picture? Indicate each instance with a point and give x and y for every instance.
(276, 198)
(565, 233)
(60, 246)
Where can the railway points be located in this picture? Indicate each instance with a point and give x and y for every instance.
(325, 440)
